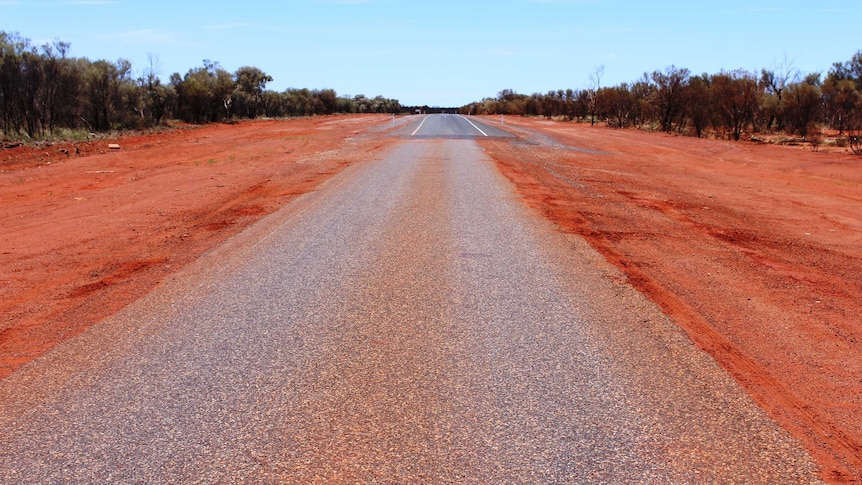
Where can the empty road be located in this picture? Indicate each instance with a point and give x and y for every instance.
(410, 322)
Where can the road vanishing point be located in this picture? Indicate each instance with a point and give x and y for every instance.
(411, 321)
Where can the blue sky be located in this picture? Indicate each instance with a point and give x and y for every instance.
(447, 53)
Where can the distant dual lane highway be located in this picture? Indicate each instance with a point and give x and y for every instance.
(410, 322)
(451, 126)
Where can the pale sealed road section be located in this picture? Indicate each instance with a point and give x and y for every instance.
(410, 322)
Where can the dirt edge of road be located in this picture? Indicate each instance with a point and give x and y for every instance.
(90, 229)
(555, 172)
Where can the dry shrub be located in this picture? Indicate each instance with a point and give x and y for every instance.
(856, 144)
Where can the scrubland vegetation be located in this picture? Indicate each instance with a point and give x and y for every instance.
(733, 104)
(44, 92)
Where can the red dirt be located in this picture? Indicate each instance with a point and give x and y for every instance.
(88, 230)
(754, 250)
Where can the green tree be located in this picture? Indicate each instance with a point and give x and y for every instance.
(643, 95)
(32, 84)
(204, 93)
(59, 97)
(102, 92)
(273, 104)
(669, 95)
(251, 81)
(802, 105)
(734, 101)
(620, 104)
(843, 103)
(326, 101)
(13, 49)
(851, 70)
(842, 93)
(157, 98)
(697, 103)
(774, 82)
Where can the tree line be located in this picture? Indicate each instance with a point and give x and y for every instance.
(730, 104)
(44, 90)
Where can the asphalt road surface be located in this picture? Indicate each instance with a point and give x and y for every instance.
(410, 322)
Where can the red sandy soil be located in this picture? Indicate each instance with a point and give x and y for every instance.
(88, 230)
(754, 250)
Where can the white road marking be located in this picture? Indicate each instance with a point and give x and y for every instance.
(420, 125)
(474, 126)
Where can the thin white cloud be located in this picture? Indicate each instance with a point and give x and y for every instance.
(503, 52)
(346, 2)
(12, 3)
(763, 9)
(142, 36)
(235, 25)
(559, 2)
